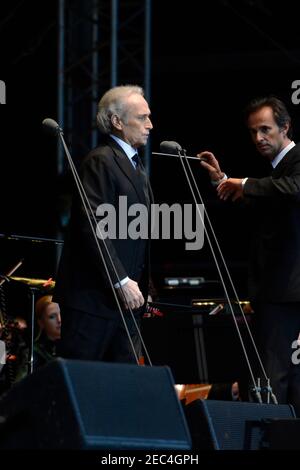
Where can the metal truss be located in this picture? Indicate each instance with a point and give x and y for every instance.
(102, 43)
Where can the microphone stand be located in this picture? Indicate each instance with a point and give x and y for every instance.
(177, 156)
(174, 147)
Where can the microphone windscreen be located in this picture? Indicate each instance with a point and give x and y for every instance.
(51, 125)
(169, 146)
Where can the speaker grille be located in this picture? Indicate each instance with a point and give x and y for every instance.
(224, 425)
(94, 405)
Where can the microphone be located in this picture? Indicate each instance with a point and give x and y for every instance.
(170, 147)
(51, 126)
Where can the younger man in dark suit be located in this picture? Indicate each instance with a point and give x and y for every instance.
(274, 274)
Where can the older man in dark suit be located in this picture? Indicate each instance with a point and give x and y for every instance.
(92, 327)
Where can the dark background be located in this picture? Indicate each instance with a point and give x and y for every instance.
(209, 60)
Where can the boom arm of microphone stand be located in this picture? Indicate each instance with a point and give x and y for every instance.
(178, 156)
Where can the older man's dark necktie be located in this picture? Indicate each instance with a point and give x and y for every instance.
(142, 175)
(135, 159)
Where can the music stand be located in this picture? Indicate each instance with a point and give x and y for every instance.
(33, 291)
(198, 346)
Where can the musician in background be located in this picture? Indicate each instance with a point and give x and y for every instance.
(49, 322)
(274, 262)
(14, 352)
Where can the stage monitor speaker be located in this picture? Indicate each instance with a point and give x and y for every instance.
(70, 404)
(225, 425)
